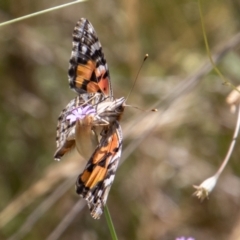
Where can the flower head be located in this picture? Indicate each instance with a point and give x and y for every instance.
(80, 113)
(205, 187)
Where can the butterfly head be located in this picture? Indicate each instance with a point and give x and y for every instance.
(111, 110)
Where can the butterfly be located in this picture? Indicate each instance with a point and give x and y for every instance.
(89, 125)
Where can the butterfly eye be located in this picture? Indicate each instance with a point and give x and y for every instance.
(119, 109)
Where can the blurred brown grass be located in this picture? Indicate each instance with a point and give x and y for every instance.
(165, 153)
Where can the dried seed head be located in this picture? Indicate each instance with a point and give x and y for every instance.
(205, 188)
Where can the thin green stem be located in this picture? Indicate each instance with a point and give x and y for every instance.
(40, 12)
(110, 223)
(225, 81)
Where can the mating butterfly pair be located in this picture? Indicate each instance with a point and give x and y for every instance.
(89, 125)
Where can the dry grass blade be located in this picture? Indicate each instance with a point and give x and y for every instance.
(42, 209)
(40, 13)
(54, 174)
(146, 123)
(63, 225)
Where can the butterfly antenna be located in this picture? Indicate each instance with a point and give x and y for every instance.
(134, 83)
(143, 110)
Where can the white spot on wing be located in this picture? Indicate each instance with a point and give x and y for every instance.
(84, 49)
(95, 46)
(100, 70)
(108, 181)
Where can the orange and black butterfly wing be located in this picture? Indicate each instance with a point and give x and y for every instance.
(96, 180)
(88, 70)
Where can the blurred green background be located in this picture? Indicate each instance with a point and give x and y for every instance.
(151, 197)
